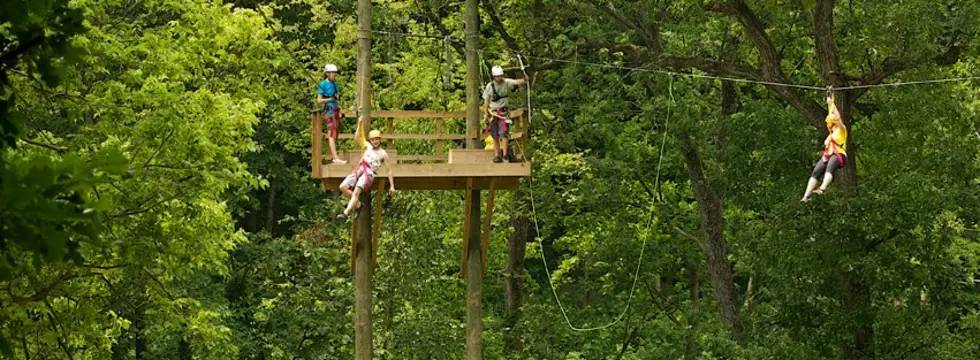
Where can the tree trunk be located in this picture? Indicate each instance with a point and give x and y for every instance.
(857, 309)
(138, 334)
(715, 251)
(585, 285)
(856, 294)
(846, 178)
(253, 220)
(184, 349)
(514, 284)
(270, 216)
(691, 352)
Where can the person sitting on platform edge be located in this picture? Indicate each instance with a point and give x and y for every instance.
(363, 175)
(327, 93)
(495, 104)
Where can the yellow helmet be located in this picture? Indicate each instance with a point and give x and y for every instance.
(374, 134)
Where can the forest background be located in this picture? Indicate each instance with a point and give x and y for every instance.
(157, 200)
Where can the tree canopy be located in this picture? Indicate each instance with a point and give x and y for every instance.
(157, 202)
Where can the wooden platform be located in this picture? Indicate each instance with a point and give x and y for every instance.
(438, 170)
(453, 175)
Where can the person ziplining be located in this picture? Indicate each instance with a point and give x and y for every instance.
(495, 104)
(327, 93)
(834, 152)
(363, 175)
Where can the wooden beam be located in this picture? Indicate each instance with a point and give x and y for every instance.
(486, 224)
(471, 156)
(342, 112)
(439, 132)
(317, 138)
(486, 170)
(391, 130)
(466, 225)
(425, 114)
(407, 158)
(354, 157)
(418, 114)
(412, 136)
(407, 184)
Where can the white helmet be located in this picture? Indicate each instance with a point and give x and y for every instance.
(497, 71)
(330, 68)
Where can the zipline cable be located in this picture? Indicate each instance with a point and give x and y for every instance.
(761, 82)
(639, 261)
(699, 76)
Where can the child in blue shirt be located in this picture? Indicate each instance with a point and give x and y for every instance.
(327, 93)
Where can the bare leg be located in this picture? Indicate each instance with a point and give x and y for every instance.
(503, 142)
(332, 142)
(353, 201)
(827, 178)
(345, 190)
(809, 189)
(496, 147)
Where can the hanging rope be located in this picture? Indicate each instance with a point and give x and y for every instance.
(639, 261)
(447, 80)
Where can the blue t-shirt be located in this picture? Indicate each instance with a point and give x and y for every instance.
(328, 88)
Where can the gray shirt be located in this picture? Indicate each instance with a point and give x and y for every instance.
(504, 88)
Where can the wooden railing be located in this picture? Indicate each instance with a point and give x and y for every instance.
(440, 137)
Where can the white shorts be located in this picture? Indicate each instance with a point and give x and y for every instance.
(359, 178)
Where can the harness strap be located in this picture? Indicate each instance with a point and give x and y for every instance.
(496, 96)
(334, 118)
(833, 147)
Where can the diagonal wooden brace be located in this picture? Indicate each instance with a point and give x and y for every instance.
(466, 225)
(377, 221)
(486, 224)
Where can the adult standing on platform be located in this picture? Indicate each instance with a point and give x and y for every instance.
(327, 94)
(495, 104)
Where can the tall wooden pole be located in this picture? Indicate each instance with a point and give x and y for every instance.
(474, 271)
(364, 266)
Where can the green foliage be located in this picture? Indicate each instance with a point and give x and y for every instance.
(157, 201)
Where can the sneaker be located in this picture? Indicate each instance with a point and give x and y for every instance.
(342, 216)
(498, 159)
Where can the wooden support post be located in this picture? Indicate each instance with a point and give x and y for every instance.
(377, 221)
(486, 225)
(466, 226)
(317, 138)
(364, 271)
(474, 277)
(391, 130)
(439, 150)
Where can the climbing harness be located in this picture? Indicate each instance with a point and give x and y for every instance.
(333, 120)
